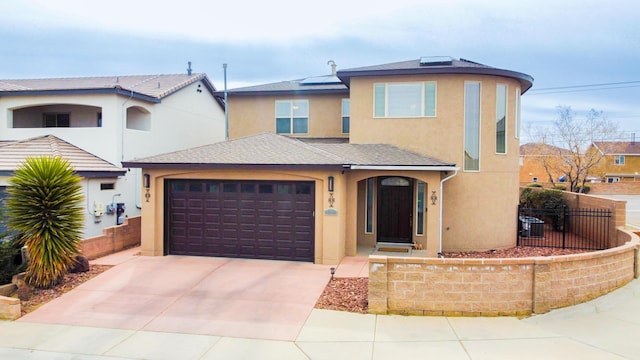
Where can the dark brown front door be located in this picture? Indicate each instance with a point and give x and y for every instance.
(395, 209)
(241, 219)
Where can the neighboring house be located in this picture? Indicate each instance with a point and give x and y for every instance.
(620, 160)
(97, 174)
(422, 151)
(540, 161)
(115, 118)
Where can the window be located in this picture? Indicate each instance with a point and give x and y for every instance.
(420, 209)
(292, 116)
(535, 179)
(404, 99)
(56, 120)
(346, 105)
(618, 160)
(99, 119)
(369, 207)
(247, 188)
(501, 119)
(472, 126)
(107, 186)
(517, 119)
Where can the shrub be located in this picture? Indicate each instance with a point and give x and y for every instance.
(44, 209)
(10, 261)
(535, 185)
(585, 189)
(560, 187)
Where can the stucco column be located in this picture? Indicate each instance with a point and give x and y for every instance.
(334, 218)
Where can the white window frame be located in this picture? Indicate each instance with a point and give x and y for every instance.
(346, 115)
(618, 160)
(517, 116)
(505, 109)
(479, 120)
(423, 105)
(292, 116)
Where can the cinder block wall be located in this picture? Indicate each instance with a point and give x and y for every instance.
(496, 287)
(113, 239)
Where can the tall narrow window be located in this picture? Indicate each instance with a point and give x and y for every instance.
(369, 207)
(292, 116)
(346, 110)
(472, 126)
(501, 119)
(420, 209)
(517, 119)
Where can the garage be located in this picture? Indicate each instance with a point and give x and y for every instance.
(241, 219)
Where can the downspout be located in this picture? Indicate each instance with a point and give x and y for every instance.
(455, 172)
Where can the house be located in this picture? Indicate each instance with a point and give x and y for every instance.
(420, 152)
(541, 162)
(620, 160)
(113, 118)
(94, 171)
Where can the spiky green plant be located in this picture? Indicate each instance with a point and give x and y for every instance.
(45, 208)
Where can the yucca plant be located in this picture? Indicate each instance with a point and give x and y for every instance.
(44, 208)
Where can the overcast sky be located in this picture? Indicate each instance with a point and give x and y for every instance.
(571, 44)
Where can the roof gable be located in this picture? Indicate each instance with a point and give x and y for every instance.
(618, 147)
(13, 154)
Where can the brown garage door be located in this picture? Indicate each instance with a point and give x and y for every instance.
(242, 219)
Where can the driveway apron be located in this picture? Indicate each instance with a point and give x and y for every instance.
(257, 299)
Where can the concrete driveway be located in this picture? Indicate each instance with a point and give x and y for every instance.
(633, 208)
(194, 295)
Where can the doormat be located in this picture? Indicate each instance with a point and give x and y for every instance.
(394, 249)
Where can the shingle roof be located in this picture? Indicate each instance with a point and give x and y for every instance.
(153, 87)
(540, 149)
(271, 150)
(318, 85)
(618, 147)
(454, 66)
(13, 154)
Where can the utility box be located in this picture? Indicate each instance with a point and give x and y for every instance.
(531, 227)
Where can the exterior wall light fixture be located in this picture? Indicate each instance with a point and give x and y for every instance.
(146, 182)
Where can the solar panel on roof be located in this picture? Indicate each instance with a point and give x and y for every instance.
(435, 60)
(321, 80)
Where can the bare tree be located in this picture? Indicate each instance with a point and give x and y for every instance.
(568, 145)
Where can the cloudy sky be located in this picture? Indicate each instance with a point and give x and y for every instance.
(582, 53)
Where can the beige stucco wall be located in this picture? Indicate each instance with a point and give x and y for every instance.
(479, 206)
(250, 115)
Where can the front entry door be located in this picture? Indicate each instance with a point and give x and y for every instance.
(395, 210)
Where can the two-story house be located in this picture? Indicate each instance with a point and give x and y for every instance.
(620, 160)
(111, 118)
(420, 152)
(544, 163)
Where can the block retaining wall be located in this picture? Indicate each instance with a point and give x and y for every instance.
(497, 287)
(113, 239)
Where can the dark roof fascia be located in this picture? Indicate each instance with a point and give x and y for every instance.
(94, 91)
(526, 81)
(84, 174)
(142, 165)
(285, 92)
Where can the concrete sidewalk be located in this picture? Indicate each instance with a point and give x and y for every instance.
(605, 328)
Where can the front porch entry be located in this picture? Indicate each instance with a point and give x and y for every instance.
(395, 210)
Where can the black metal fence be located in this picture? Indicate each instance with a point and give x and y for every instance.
(584, 229)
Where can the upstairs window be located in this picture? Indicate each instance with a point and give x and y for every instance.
(501, 119)
(56, 120)
(393, 100)
(346, 105)
(472, 126)
(292, 116)
(618, 160)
